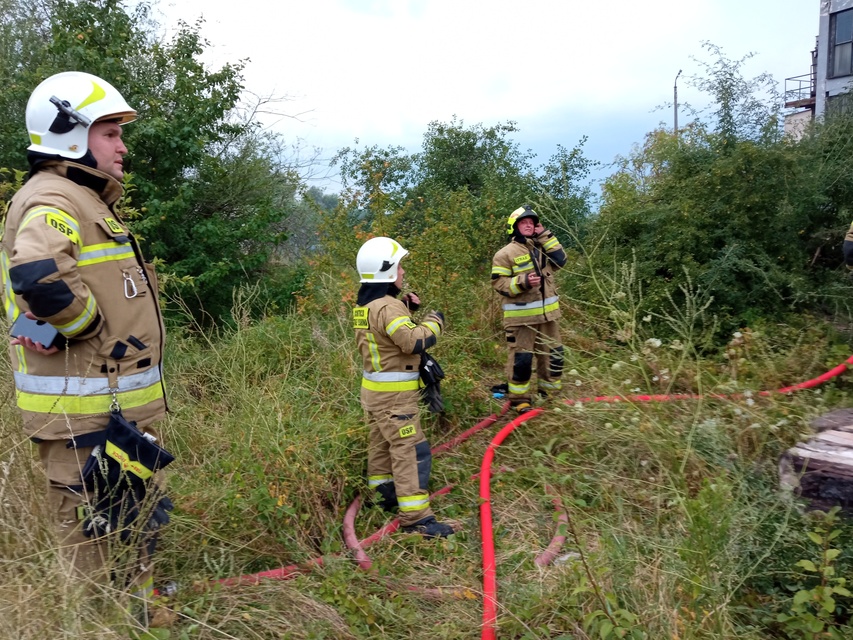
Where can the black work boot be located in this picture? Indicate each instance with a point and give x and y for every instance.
(429, 527)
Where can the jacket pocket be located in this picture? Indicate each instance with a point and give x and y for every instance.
(129, 353)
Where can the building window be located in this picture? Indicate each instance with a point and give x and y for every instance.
(841, 44)
(841, 104)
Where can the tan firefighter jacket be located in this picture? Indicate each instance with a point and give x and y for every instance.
(522, 305)
(69, 259)
(390, 345)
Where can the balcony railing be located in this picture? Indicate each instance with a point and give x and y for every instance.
(800, 91)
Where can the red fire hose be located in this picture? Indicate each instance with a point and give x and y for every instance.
(489, 565)
(489, 582)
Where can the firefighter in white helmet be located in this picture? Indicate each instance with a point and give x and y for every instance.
(70, 263)
(399, 459)
(523, 274)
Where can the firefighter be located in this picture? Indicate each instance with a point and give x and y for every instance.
(68, 260)
(399, 459)
(523, 274)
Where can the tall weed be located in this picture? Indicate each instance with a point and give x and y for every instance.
(678, 529)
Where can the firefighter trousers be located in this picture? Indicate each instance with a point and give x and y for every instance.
(528, 342)
(98, 560)
(399, 459)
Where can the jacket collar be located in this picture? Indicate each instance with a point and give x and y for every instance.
(104, 185)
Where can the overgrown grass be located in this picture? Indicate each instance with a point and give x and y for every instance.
(677, 528)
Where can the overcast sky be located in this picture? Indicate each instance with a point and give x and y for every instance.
(381, 70)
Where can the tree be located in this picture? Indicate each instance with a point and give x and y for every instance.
(729, 206)
(224, 225)
(303, 225)
(474, 158)
(742, 109)
(22, 37)
(448, 203)
(563, 196)
(210, 186)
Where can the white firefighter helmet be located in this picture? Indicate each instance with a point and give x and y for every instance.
(63, 107)
(378, 259)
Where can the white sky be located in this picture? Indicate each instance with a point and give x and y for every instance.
(381, 70)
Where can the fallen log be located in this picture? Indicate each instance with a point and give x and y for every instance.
(820, 470)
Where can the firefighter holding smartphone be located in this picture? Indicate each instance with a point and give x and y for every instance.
(70, 263)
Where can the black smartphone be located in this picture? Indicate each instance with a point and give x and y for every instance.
(35, 330)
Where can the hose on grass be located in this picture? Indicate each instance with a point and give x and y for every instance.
(488, 631)
(489, 568)
(293, 570)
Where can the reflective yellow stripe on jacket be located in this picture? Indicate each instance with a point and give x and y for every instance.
(396, 323)
(74, 395)
(534, 308)
(9, 301)
(82, 321)
(501, 271)
(55, 218)
(550, 243)
(10, 304)
(106, 252)
(390, 380)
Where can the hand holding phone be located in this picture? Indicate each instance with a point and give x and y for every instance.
(38, 331)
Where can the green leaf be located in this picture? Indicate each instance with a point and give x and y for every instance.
(592, 616)
(808, 565)
(605, 629)
(815, 537)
